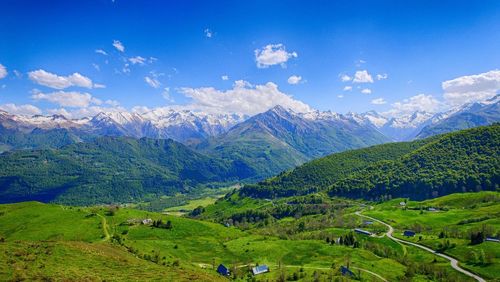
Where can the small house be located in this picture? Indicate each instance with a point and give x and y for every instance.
(432, 209)
(259, 269)
(147, 221)
(346, 271)
(409, 233)
(361, 231)
(222, 270)
(402, 204)
(491, 239)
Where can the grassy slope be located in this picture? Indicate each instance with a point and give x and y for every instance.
(75, 235)
(68, 243)
(454, 209)
(70, 261)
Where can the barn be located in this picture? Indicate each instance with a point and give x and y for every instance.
(259, 269)
(222, 270)
(409, 233)
(361, 231)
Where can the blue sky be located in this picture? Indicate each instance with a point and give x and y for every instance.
(402, 51)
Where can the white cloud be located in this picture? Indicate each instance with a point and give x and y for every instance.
(141, 109)
(137, 60)
(102, 52)
(152, 81)
(340, 96)
(113, 103)
(273, 54)
(294, 79)
(345, 77)
(3, 71)
(348, 88)
(471, 88)
(421, 102)
(67, 99)
(60, 111)
(18, 74)
(366, 91)
(97, 85)
(166, 94)
(208, 33)
(126, 68)
(225, 77)
(378, 101)
(27, 110)
(59, 82)
(362, 77)
(118, 45)
(243, 98)
(382, 76)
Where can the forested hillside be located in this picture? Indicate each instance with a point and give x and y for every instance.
(108, 170)
(467, 160)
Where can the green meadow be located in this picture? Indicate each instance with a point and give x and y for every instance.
(40, 241)
(453, 220)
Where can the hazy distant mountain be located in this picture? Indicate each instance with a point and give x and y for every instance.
(183, 126)
(400, 128)
(279, 139)
(467, 116)
(421, 124)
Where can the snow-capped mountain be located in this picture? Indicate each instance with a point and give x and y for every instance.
(280, 138)
(419, 124)
(25, 123)
(400, 128)
(192, 127)
(184, 126)
(463, 117)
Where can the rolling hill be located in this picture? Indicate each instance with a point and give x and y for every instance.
(467, 160)
(110, 169)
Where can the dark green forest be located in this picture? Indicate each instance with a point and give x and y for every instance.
(109, 170)
(467, 160)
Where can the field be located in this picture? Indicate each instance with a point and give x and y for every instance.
(451, 219)
(112, 243)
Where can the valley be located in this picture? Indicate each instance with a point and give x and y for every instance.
(249, 141)
(297, 247)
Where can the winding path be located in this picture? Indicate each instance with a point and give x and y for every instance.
(104, 224)
(453, 262)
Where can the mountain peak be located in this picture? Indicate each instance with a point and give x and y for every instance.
(279, 109)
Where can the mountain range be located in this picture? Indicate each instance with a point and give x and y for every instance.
(193, 127)
(421, 124)
(264, 145)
